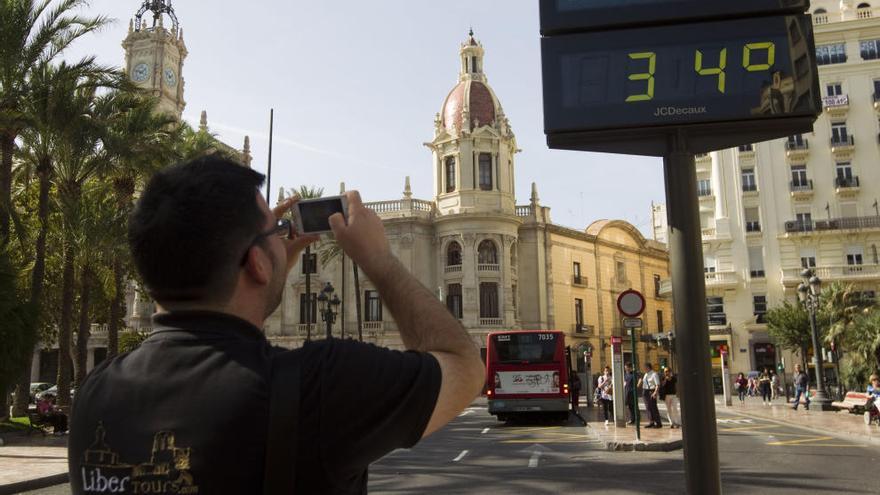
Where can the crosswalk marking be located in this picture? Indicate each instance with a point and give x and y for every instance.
(485, 430)
(460, 456)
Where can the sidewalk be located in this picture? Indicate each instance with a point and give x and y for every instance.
(32, 462)
(839, 424)
(617, 438)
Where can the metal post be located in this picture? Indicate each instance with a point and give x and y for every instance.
(635, 365)
(589, 381)
(699, 431)
(617, 381)
(725, 379)
(821, 398)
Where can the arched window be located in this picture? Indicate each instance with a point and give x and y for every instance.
(820, 11)
(864, 5)
(487, 254)
(453, 254)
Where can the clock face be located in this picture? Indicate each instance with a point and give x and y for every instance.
(170, 77)
(141, 72)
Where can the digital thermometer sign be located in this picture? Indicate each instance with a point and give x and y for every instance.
(734, 71)
(562, 16)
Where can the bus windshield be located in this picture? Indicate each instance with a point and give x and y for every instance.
(531, 348)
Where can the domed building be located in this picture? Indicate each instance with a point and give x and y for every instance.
(495, 264)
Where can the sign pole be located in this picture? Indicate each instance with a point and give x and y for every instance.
(699, 430)
(725, 379)
(635, 365)
(617, 381)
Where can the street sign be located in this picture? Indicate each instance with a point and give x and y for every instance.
(726, 82)
(631, 303)
(632, 323)
(563, 16)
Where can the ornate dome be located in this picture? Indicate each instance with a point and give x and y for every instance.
(471, 103)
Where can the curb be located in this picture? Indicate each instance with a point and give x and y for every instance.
(34, 484)
(635, 445)
(852, 437)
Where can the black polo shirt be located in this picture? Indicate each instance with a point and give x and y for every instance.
(186, 411)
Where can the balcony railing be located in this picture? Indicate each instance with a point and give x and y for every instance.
(801, 186)
(841, 142)
(753, 226)
(820, 18)
(704, 192)
(303, 328)
(401, 206)
(720, 279)
(453, 268)
(750, 187)
(846, 182)
(864, 13)
(717, 319)
(374, 325)
(524, 211)
(846, 223)
(746, 148)
(797, 145)
(578, 280)
(491, 322)
(488, 267)
(582, 329)
(792, 276)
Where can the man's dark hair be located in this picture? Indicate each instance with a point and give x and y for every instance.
(191, 228)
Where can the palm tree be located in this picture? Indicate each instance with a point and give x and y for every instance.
(49, 116)
(31, 33)
(16, 318)
(139, 141)
(840, 306)
(306, 192)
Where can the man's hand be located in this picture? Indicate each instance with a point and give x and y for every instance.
(363, 238)
(298, 242)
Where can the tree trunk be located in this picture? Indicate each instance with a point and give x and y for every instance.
(37, 275)
(116, 309)
(67, 293)
(357, 300)
(308, 298)
(7, 147)
(82, 334)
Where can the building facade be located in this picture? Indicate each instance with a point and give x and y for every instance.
(496, 265)
(770, 209)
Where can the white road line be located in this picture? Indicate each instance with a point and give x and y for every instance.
(533, 461)
(465, 413)
(460, 456)
(485, 430)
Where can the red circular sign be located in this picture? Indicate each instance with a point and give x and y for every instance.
(631, 303)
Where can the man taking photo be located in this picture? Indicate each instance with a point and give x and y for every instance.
(187, 411)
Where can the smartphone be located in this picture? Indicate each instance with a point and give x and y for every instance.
(312, 216)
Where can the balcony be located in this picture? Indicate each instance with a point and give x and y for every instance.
(717, 319)
(721, 280)
(846, 186)
(666, 288)
(797, 151)
(836, 106)
(488, 267)
(579, 280)
(402, 208)
(791, 277)
(453, 269)
(750, 189)
(834, 224)
(801, 189)
(864, 13)
(843, 146)
(491, 322)
(746, 153)
(820, 19)
(703, 162)
(581, 329)
(306, 329)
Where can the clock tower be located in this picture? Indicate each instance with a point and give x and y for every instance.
(154, 55)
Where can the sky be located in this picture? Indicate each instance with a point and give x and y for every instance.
(355, 87)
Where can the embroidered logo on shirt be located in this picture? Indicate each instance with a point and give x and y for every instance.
(166, 472)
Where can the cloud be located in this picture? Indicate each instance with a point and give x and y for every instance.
(291, 143)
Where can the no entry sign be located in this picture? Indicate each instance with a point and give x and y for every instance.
(631, 303)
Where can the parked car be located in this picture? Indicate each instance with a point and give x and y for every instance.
(51, 392)
(37, 387)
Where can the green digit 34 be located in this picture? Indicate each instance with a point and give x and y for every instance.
(719, 71)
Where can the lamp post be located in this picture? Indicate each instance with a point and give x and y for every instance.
(329, 302)
(670, 339)
(808, 293)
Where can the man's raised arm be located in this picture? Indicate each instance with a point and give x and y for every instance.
(424, 322)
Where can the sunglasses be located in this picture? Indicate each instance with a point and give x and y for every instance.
(283, 228)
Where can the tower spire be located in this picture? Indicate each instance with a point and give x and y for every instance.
(158, 7)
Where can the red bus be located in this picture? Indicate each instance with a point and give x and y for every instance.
(527, 374)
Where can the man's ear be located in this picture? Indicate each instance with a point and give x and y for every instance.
(257, 266)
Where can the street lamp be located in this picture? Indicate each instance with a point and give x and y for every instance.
(328, 306)
(808, 293)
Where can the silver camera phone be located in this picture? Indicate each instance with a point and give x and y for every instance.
(312, 215)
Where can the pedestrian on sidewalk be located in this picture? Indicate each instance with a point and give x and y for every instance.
(774, 385)
(669, 397)
(606, 394)
(764, 385)
(753, 386)
(741, 384)
(801, 387)
(650, 383)
(628, 389)
(575, 391)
